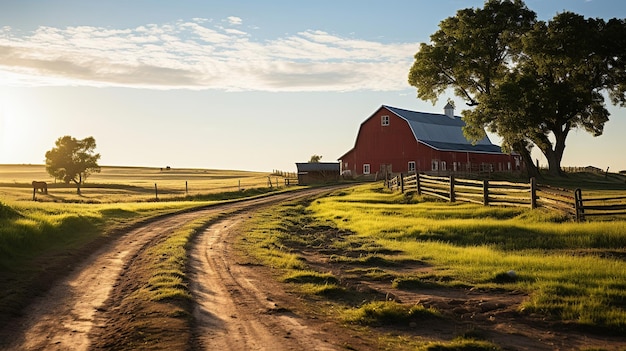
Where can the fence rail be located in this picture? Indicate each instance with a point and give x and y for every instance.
(602, 206)
(502, 193)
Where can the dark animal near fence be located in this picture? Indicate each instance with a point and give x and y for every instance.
(41, 186)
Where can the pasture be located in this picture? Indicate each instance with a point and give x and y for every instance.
(130, 184)
(563, 273)
(40, 239)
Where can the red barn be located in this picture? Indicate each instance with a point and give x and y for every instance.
(398, 140)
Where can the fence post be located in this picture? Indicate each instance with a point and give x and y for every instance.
(452, 196)
(186, 188)
(156, 192)
(578, 205)
(533, 193)
(486, 192)
(401, 183)
(417, 184)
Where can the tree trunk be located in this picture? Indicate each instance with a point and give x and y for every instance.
(77, 186)
(553, 153)
(555, 156)
(531, 169)
(554, 163)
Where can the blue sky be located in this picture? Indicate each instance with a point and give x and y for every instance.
(249, 85)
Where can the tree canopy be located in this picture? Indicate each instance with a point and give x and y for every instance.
(72, 160)
(315, 159)
(529, 81)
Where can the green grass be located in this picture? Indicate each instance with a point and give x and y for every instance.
(389, 313)
(166, 264)
(309, 276)
(460, 344)
(476, 244)
(27, 229)
(573, 272)
(40, 239)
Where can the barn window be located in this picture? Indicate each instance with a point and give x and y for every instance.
(411, 166)
(435, 165)
(443, 165)
(366, 168)
(384, 120)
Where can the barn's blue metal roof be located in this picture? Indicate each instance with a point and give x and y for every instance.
(442, 132)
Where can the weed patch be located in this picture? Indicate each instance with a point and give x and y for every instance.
(312, 277)
(379, 313)
(460, 344)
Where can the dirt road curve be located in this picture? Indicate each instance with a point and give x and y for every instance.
(233, 313)
(234, 310)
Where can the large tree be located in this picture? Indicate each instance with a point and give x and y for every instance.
(529, 81)
(72, 160)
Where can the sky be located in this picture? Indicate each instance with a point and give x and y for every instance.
(243, 85)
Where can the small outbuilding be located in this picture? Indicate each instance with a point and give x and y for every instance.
(318, 172)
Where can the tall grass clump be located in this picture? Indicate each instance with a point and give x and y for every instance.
(379, 313)
(460, 344)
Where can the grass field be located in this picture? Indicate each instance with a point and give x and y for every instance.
(37, 237)
(129, 184)
(572, 272)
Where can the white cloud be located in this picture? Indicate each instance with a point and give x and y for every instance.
(234, 20)
(191, 55)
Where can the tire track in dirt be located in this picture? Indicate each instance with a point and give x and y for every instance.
(236, 311)
(62, 318)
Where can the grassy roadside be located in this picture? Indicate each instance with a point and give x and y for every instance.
(574, 273)
(40, 241)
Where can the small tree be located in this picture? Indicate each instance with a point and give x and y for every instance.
(315, 158)
(72, 160)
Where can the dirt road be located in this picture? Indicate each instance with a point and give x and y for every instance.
(235, 310)
(64, 317)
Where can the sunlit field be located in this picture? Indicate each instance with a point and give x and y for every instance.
(36, 236)
(129, 184)
(562, 264)
(572, 272)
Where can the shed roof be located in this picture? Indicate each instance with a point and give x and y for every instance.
(442, 132)
(318, 166)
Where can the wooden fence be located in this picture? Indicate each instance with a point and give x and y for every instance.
(501, 193)
(600, 206)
